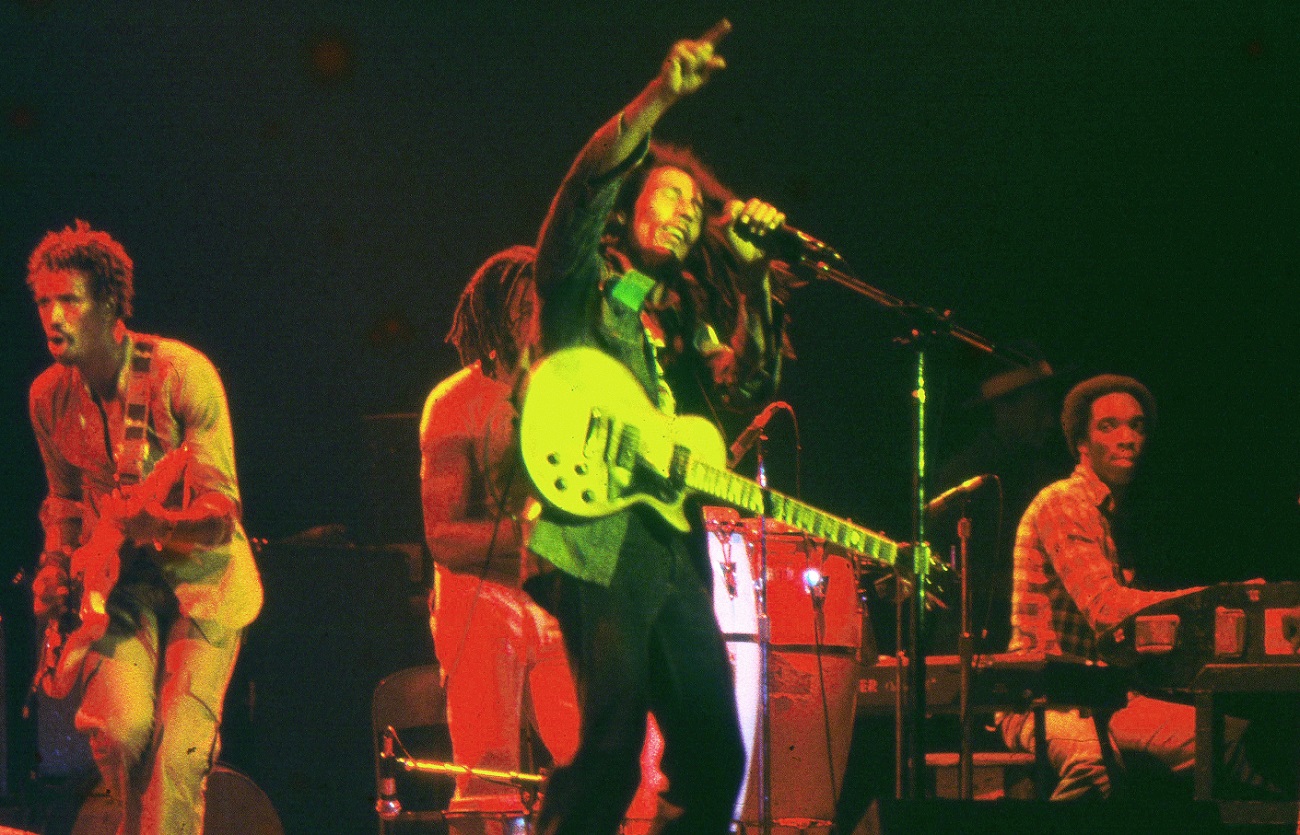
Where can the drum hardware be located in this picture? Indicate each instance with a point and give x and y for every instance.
(815, 582)
(728, 561)
(965, 655)
(388, 805)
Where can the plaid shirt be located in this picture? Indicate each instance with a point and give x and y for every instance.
(1068, 585)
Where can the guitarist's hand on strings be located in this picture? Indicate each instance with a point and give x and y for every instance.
(150, 524)
(49, 589)
(207, 521)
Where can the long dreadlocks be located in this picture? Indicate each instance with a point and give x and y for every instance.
(496, 317)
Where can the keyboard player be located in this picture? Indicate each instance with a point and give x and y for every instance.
(1069, 586)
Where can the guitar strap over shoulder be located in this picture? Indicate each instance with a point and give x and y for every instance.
(134, 446)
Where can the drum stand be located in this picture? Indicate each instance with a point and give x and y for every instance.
(965, 658)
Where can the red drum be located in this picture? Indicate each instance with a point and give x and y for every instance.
(816, 627)
(812, 596)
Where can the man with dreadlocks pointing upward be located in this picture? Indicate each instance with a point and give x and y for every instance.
(500, 653)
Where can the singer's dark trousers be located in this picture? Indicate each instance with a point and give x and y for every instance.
(647, 643)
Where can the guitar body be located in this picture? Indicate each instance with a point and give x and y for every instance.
(594, 443)
(92, 575)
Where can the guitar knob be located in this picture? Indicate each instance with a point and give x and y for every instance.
(580, 469)
(561, 484)
(588, 496)
(552, 459)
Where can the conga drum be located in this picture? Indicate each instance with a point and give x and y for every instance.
(815, 618)
(816, 626)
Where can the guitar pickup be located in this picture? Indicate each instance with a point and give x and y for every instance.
(629, 443)
(618, 454)
(596, 444)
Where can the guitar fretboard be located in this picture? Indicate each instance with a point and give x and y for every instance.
(737, 491)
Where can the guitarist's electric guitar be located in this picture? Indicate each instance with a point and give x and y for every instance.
(94, 570)
(594, 443)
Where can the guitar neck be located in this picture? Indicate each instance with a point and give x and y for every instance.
(739, 492)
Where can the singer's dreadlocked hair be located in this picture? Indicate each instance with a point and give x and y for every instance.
(496, 317)
(710, 268)
(666, 155)
(702, 260)
(107, 268)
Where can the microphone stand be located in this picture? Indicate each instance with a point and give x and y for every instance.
(965, 659)
(518, 779)
(389, 806)
(764, 656)
(923, 325)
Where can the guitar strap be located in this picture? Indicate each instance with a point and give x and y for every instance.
(133, 449)
(633, 289)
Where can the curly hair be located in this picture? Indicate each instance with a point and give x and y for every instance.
(496, 316)
(1077, 409)
(95, 255)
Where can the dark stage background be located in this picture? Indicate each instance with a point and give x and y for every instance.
(306, 186)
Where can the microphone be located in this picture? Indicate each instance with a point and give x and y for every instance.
(751, 433)
(788, 244)
(387, 804)
(970, 485)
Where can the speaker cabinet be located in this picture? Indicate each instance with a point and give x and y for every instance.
(391, 504)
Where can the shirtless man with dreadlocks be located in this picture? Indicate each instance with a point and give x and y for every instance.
(500, 653)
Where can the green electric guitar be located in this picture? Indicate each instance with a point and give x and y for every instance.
(594, 444)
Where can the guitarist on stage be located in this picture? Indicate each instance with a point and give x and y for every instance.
(624, 264)
(111, 406)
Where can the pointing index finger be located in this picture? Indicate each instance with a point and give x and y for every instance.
(717, 33)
